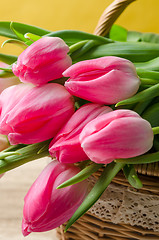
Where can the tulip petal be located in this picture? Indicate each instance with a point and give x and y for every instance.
(66, 146)
(43, 61)
(46, 207)
(105, 80)
(34, 114)
(118, 134)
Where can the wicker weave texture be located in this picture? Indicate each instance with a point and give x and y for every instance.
(90, 227)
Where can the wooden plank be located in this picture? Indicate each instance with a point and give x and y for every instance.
(13, 187)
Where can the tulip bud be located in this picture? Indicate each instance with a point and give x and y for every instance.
(46, 207)
(105, 80)
(34, 114)
(7, 82)
(118, 134)
(66, 146)
(43, 61)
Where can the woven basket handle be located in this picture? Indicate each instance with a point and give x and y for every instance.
(109, 16)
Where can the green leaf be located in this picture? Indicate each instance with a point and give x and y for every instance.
(156, 143)
(82, 175)
(148, 81)
(23, 155)
(141, 106)
(77, 45)
(142, 73)
(5, 74)
(105, 179)
(12, 148)
(151, 114)
(15, 41)
(8, 69)
(142, 159)
(21, 28)
(32, 37)
(118, 33)
(155, 130)
(131, 176)
(3, 155)
(133, 51)
(146, 94)
(150, 37)
(85, 48)
(71, 36)
(151, 65)
(18, 34)
(133, 36)
(9, 59)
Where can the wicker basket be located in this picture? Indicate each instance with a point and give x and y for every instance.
(90, 226)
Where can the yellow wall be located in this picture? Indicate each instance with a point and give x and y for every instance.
(141, 15)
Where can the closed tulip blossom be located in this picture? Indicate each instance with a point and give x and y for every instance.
(118, 134)
(9, 81)
(34, 114)
(43, 61)
(66, 146)
(46, 207)
(105, 80)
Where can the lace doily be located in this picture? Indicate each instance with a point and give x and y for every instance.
(121, 204)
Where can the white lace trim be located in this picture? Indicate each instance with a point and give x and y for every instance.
(121, 204)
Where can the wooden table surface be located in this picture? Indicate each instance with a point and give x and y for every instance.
(13, 187)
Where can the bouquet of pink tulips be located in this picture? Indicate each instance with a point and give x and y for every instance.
(88, 101)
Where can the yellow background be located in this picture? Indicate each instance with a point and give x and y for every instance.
(141, 15)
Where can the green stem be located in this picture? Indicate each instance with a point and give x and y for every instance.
(141, 106)
(82, 175)
(147, 81)
(6, 69)
(143, 73)
(14, 148)
(85, 48)
(142, 159)
(144, 95)
(105, 179)
(9, 59)
(151, 65)
(78, 45)
(32, 37)
(3, 155)
(23, 155)
(155, 130)
(131, 176)
(16, 42)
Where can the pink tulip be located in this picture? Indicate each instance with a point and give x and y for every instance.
(66, 146)
(43, 61)
(118, 134)
(46, 207)
(34, 114)
(7, 82)
(105, 80)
